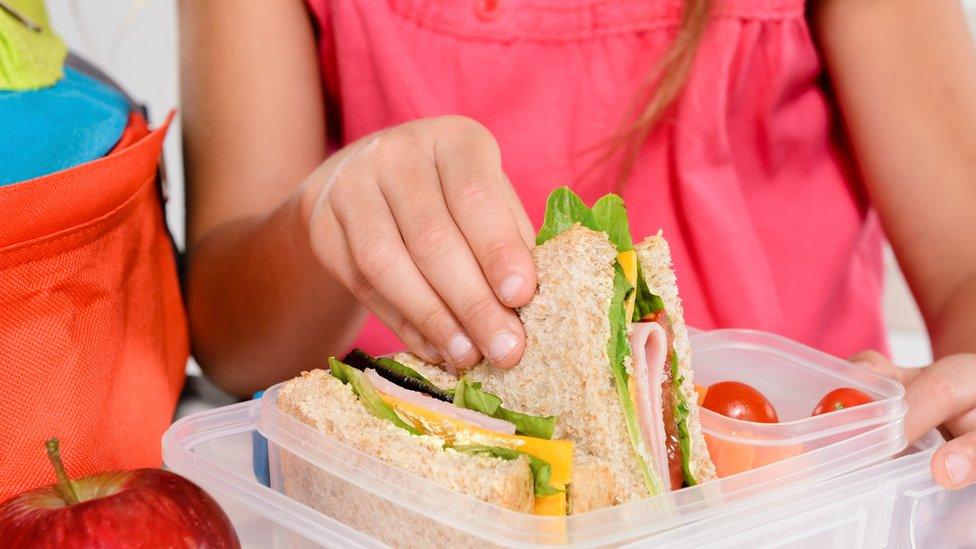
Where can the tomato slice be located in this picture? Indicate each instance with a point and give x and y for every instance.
(838, 399)
(739, 401)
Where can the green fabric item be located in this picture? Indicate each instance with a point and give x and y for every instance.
(29, 59)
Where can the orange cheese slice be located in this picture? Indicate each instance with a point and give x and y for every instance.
(558, 453)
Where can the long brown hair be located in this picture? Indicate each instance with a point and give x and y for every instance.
(660, 88)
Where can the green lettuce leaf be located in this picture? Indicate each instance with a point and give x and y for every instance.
(468, 394)
(681, 418)
(542, 472)
(541, 469)
(646, 303)
(402, 369)
(618, 349)
(482, 449)
(367, 395)
(530, 426)
(563, 209)
(610, 216)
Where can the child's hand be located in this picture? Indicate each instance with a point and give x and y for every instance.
(942, 394)
(420, 223)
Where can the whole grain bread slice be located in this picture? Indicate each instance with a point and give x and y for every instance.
(654, 256)
(565, 370)
(321, 401)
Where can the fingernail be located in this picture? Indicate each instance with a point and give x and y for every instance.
(432, 354)
(501, 345)
(957, 466)
(511, 286)
(458, 347)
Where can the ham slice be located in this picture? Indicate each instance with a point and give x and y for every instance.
(649, 343)
(478, 419)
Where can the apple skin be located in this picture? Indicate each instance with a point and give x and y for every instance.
(139, 508)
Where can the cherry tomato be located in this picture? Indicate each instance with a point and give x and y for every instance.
(739, 401)
(701, 391)
(838, 399)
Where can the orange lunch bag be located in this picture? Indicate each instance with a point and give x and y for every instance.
(93, 336)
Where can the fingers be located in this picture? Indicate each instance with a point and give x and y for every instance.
(378, 252)
(423, 227)
(411, 187)
(962, 423)
(954, 464)
(469, 165)
(940, 392)
(879, 364)
(327, 237)
(521, 217)
(943, 393)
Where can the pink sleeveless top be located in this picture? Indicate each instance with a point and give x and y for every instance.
(748, 177)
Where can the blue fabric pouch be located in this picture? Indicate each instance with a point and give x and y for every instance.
(77, 120)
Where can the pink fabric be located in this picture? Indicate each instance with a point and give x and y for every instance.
(768, 223)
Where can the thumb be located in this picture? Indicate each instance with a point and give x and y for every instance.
(879, 364)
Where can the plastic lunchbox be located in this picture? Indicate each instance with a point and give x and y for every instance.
(794, 378)
(325, 493)
(895, 504)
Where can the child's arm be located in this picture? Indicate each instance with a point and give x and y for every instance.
(417, 222)
(253, 128)
(904, 72)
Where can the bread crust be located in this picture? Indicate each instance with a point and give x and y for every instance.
(565, 370)
(567, 329)
(321, 401)
(654, 255)
(592, 486)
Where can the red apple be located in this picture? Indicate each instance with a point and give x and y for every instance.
(140, 508)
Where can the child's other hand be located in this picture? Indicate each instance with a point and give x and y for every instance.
(941, 394)
(420, 223)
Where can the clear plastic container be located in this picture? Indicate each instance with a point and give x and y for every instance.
(895, 504)
(214, 450)
(323, 492)
(794, 378)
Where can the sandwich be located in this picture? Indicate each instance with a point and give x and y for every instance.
(601, 409)
(438, 426)
(608, 352)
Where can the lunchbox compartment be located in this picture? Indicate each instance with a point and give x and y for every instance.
(894, 504)
(323, 492)
(393, 505)
(760, 360)
(214, 450)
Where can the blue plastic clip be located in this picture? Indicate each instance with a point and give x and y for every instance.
(259, 454)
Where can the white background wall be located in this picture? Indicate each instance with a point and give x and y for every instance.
(135, 42)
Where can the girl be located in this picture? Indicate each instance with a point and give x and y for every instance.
(355, 164)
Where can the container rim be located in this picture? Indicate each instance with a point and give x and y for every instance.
(889, 407)
(187, 433)
(612, 525)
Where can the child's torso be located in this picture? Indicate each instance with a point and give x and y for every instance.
(746, 175)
